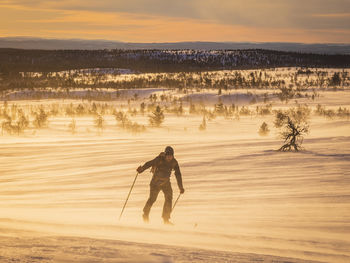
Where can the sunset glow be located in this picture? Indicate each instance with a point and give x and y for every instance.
(165, 21)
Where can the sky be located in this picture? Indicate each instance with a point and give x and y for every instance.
(306, 21)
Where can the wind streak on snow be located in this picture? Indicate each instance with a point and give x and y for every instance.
(241, 195)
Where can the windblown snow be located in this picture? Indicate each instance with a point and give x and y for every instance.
(61, 194)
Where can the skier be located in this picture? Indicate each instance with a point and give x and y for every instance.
(162, 167)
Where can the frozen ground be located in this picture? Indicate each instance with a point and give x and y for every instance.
(61, 194)
(62, 249)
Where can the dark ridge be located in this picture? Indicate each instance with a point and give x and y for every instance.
(18, 60)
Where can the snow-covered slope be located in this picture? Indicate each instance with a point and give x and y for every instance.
(241, 195)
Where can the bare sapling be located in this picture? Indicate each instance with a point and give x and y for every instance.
(294, 126)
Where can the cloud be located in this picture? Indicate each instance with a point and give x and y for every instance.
(337, 15)
(271, 13)
(307, 21)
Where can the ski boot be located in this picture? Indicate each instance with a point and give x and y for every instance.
(145, 218)
(167, 222)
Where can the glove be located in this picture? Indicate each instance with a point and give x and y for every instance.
(182, 191)
(139, 169)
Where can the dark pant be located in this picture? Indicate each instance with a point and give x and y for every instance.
(155, 188)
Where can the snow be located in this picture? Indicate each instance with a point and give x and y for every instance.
(61, 194)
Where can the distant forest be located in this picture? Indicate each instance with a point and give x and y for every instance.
(13, 61)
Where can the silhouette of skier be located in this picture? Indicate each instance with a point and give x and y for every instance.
(162, 167)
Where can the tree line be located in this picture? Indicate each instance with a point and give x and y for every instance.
(13, 61)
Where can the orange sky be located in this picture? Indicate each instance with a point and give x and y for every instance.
(191, 20)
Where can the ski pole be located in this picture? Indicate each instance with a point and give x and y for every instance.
(177, 199)
(128, 195)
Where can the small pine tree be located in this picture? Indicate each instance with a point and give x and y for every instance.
(6, 125)
(264, 129)
(219, 108)
(80, 110)
(122, 119)
(93, 108)
(40, 119)
(124, 122)
(70, 110)
(180, 110)
(203, 125)
(142, 108)
(335, 80)
(17, 125)
(99, 122)
(157, 117)
(192, 109)
(22, 122)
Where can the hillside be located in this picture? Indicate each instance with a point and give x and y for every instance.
(16, 60)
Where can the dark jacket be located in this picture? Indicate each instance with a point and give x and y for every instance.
(162, 169)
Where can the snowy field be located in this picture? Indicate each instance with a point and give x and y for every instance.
(61, 194)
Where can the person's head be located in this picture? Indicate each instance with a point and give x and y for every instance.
(169, 153)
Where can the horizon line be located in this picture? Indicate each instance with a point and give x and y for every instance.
(168, 42)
